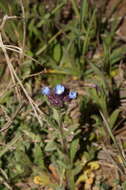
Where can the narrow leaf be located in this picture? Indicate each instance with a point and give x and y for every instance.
(113, 117)
(74, 149)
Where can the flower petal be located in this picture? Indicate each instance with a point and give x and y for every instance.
(59, 89)
(45, 90)
(72, 95)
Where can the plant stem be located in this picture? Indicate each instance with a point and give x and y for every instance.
(69, 174)
(60, 126)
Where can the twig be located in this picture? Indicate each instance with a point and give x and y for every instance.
(8, 62)
(13, 73)
(5, 18)
(24, 27)
(19, 50)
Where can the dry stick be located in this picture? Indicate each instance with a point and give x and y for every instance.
(5, 18)
(19, 50)
(5, 177)
(24, 27)
(12, 76)
(34, 106)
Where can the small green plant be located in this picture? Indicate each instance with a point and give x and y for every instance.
(63, 143)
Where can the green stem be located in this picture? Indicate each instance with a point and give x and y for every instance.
(63, 142)
(69, 174)
(74, 4)
(87, 36)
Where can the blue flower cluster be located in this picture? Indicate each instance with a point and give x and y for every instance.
(59, 95)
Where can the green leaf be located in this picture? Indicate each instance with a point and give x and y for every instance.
(35, 138)
(63, 164)
(118, 54)
(5, 97)
(73, 149)
(51, 146)
(56, 115)
(83, 12)
(113, 117)
(38, 155)
(78, 168)
(9, 145)
(97, 71)
(57, 51)
(3, 6)
(2, 69)
(49, 14)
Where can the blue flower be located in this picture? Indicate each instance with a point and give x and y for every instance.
(72, 95)
(45, 90)
(59, 96)
(59, 89)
